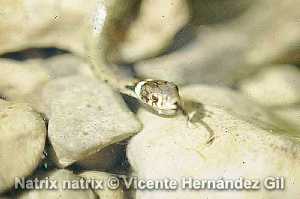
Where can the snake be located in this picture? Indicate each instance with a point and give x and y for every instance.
(160, 96)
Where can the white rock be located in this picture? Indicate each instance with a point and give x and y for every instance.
(231, 101)
(104, 160)
(154, 29)
(34, 23)
(24, 81)
(85, 116)
(279, 39)
(56, 67)
(71, 25)
(169, 147)
(22, 140)
(291, 115)
(60, 177)
(274, 86)
(105, 193)
(232, 49)
(204, 60)
(65, 65)
(19, 79)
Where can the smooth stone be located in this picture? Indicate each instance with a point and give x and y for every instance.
(66, 65)
(55, 67)
(19, 79)
(38, 24)
(206, 59)
(85, 116)
(22, 140)
(106, 159)
(24, 81)
(173, 148)
(106, 193)
(230, 50)
(154, 29)
(274, 86)
(60, 176)
(291, 115)
(233, 102)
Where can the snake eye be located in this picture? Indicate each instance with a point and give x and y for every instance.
(154, 98)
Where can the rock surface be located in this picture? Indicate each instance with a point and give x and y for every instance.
(229, 51)
(291, 115)
(24, 81)
(65, 25)
(204, 60)
(85, 116)
(60, 176)
(105, 193)
(22, 140)
(233, 102)
(240, 148)
(19, 79)
(274, 86)
(65, 65)
(153, 30)
(104, 160)
(34, 23)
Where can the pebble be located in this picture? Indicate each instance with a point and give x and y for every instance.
(62, 192)
(106, 192)
(19, 79)
(171, 148)
(274, 86)
(22, 140)
(85, 116)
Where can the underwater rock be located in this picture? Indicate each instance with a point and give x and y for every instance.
(217, 143)
(106, 159)
(279, 39)
(56, 67)
(19, 79)
(206, 59)
(65, 65)
(62, 179)
(216, 12)
(112, 25)
(233, 102)
(22, 140)
(274, 86)
(153, 29)
(225, 53)
(34, 23)
(291, 115)
(106, 192)
(85, 115)
(24, 81)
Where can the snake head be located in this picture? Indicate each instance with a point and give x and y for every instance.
(161, 96)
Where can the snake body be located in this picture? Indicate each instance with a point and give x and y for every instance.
(160, 96)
